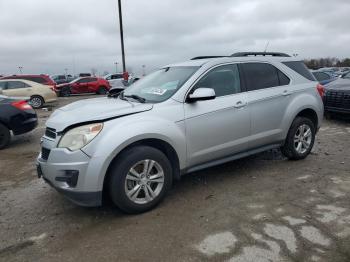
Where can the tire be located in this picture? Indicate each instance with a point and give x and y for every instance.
(5, 136)
(120, 183)
(102, 90)
(299, 146)
(36, 102)
(65, 92)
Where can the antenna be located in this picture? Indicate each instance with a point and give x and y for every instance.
(267, 45)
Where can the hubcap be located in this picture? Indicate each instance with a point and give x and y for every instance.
(303, 139)
(144, 181)
(36, 102)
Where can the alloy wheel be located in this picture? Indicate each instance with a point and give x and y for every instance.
(303, 139)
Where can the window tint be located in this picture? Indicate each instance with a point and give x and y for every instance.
(2, 85)
(284, 80)
(84, 80)
(15, 85)
(321, 76)
(92, 79)
(223, 79)
(260, 75)
(300, 68)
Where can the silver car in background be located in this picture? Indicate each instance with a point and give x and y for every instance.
(180, 119)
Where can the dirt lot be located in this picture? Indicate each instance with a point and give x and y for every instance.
(261, 208)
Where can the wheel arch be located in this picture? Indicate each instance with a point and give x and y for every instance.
(157, 143)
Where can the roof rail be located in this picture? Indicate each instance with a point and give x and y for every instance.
(240, 54)
(207, 57)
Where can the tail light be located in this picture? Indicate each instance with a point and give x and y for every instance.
(21, 105)
(321, 90)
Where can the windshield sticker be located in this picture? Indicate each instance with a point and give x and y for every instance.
(156, 91)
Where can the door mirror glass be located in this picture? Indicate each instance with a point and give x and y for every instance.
(201, 94)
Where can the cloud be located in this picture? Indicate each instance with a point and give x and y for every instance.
(49, 36)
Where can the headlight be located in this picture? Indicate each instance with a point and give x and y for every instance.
(79, 137)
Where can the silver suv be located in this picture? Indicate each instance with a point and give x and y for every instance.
(179, 119)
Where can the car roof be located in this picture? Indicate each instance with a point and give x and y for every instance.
(22, 80)
(219, 60)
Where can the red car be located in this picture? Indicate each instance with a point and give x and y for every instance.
(41, 79)
(84, 85)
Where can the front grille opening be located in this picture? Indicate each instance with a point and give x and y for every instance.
(50, 132)
(45, 153)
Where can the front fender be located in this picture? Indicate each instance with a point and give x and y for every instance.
(119, 133)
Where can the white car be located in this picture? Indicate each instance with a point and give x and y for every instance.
(115, 80)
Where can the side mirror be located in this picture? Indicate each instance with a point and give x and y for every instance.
(201, 94)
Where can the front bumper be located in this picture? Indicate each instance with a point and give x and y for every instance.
(26, 126)
(55, 167)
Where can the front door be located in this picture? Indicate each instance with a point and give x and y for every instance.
(220, 127)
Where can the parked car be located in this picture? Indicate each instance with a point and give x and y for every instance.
(123, 85)
(337, 96)
(84, 85)
(84, 74)
(346, 75)
(41, 79)
(62, 79)
(324, 77)
(179, 119)
(38, 94)
(16, 116)
(115, 79)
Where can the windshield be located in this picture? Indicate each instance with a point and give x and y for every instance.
(161, 84)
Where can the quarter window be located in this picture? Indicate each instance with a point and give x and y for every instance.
(223, 79)
(261, 75)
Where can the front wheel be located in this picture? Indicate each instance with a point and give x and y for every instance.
(65, 92)
(140, 178)
(102, 90)
(300, 139)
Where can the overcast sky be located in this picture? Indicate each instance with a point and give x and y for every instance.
(47, 36)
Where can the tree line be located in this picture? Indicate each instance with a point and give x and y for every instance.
(327, 62)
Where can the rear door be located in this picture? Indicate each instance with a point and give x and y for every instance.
(92, 85)
(268, 95)
(80, 86)
(220, 127)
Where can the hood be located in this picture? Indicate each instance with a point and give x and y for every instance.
(90, 110)
(339, 85)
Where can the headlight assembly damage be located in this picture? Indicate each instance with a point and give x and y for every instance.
(80, 136)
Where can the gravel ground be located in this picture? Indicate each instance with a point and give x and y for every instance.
(261, 208)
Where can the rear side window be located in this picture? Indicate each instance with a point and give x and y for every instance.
(261, 75)
(2, 85)
(118, 76)
(301, 69)
(223, 79)
(16, 85)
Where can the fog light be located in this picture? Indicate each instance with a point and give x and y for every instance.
(70, 177)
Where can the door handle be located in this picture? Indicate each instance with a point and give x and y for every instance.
(240, 104)
(286, 93)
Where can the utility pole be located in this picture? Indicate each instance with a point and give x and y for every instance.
(121, 33)
(143, 70)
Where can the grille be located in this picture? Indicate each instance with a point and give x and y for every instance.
(337, 99)
(45, 153)
(50, 132)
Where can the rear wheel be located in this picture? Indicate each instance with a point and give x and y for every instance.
(140, 179)
(5, 136)
(300, 139)
(102, 90)
(36, 101)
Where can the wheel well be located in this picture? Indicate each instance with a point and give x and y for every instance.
(159, 144)
(310, 114)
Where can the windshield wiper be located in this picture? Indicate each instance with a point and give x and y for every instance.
(136, 97)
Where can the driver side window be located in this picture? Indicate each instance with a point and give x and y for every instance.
(224, 80)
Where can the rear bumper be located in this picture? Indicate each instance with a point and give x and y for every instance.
(26, 126)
